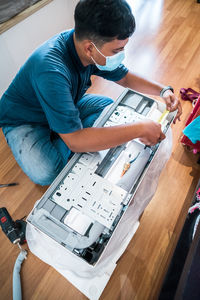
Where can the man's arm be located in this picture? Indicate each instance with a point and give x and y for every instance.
(145, 86)
(96, 139)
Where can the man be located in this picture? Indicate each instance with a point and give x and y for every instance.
(45, 113)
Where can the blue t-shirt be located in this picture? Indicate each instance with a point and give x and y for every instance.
(47, 87)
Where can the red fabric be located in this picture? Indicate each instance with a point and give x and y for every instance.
(195, 112)
(189, 94)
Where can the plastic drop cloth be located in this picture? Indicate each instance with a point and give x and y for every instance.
(91, 280)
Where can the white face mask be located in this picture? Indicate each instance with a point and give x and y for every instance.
(112, 62)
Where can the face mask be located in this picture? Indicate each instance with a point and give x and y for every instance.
(112, 62)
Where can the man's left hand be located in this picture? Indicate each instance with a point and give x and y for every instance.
(172, 103)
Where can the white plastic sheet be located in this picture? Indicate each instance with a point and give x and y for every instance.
(90, 280)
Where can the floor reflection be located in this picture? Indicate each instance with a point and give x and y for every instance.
(141, 51)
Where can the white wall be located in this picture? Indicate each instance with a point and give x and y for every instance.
(18, 42)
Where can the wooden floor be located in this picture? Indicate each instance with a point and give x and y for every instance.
(166, 48)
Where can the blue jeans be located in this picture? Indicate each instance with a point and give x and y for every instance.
(41, 153)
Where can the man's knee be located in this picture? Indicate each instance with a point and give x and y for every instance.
(104, 102)
(108, 100)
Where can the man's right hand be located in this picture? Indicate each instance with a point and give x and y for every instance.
(95, 139)
(151, 132)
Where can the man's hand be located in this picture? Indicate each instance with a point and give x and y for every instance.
(173, 103)
(99, 138)
(151, 132)
(140, 84)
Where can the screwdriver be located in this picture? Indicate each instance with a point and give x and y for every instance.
(8, 184)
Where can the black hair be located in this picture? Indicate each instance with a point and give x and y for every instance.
(103, 20)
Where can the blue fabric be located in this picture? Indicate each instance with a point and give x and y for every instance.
(41, 153)
(192, 131)
(47, 88)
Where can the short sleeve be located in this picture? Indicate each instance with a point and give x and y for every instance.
(114, 75)
(53, 92)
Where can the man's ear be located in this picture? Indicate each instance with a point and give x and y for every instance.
(88, 48)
